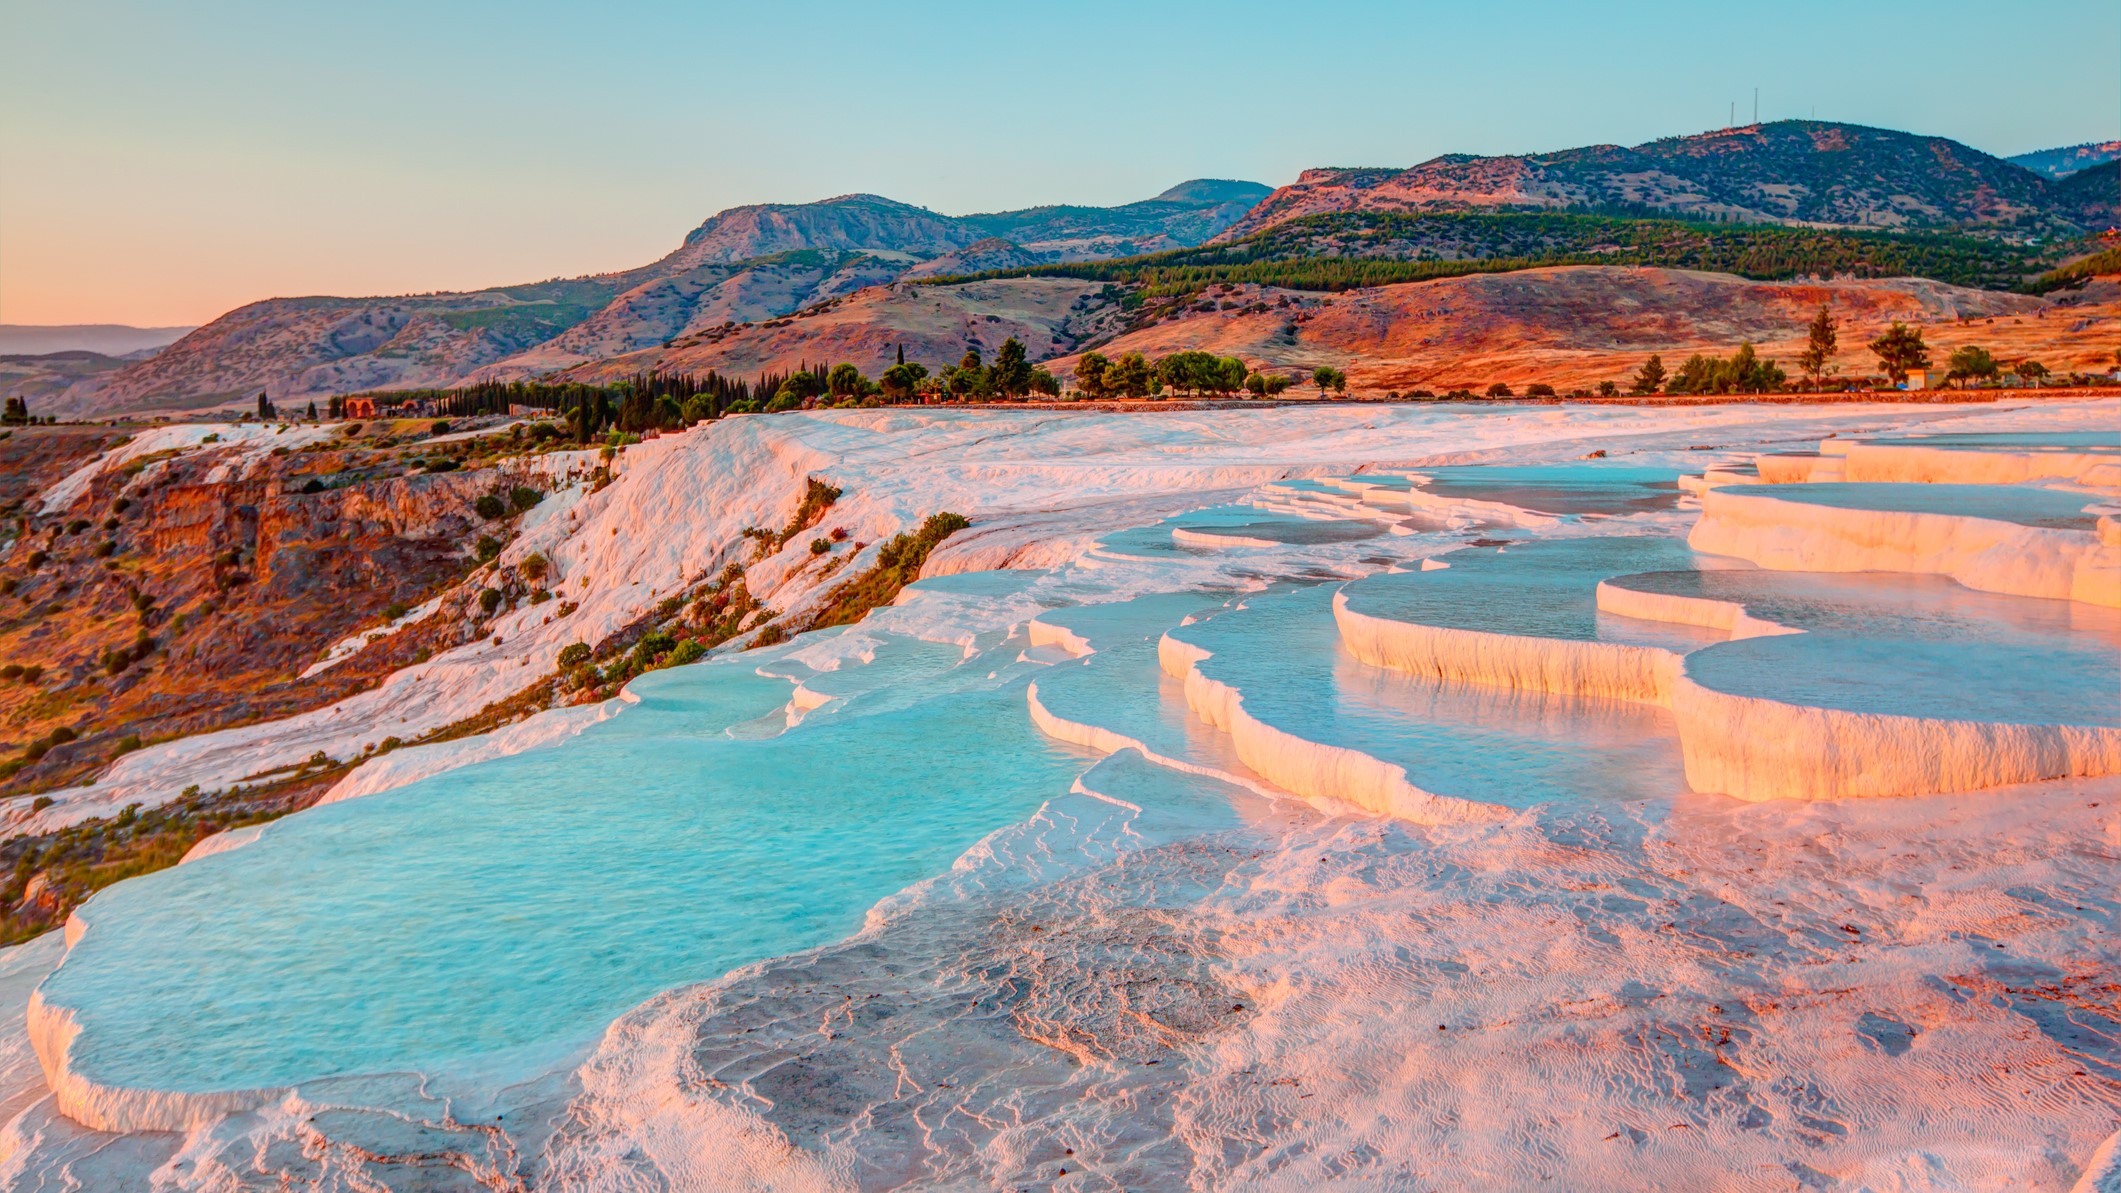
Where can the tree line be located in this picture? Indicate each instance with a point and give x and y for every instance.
(1345, 250)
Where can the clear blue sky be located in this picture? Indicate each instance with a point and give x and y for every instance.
(161, 162)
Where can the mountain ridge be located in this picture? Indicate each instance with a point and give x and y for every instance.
(1795, 171)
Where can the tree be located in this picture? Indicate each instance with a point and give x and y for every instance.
(1743, 373)
(1650, 379)
(846, 381)
(1129, 376)
(1091, 372)
(1256, 385)
(1323, 377)
(1500, 389)
(1045, 384)
(801, 386)
(17, 413)
(2030, 371)
(1821, 340)
(1900, 351)
(901, 380)
(1971, 364)
(312, 412)
(1011, 374)
(1607, 389)
(265, 410)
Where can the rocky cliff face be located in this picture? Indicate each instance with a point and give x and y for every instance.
(178, 595)
(1792, 171)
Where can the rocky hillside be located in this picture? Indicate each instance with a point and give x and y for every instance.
(191, 584)
(1793, 171)
(933, 325)
(746, 264)
(2070, 159)
(1573, 327)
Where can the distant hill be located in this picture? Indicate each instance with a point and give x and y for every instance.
(2070, 159)
(740, 266)
(1792, 171)
(107, 339)
(2093, 196)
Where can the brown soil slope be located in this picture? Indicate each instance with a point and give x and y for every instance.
(1576, 326)
(934, 324)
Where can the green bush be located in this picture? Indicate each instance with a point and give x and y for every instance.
(394, 611)
(490, 507)
(41, 803)
(442, 464)
(819, 546)
(489, 600)
(574, 654)
(687, 651)
(487, 547)
(523, 497)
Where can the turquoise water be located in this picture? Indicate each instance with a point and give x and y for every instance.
(2050, 508)
(1544, 589)
(1585, 488)
(513, 908)
(1282, 651)
(2094, 441)
(1912, 645)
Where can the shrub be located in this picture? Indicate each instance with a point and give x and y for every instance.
(574, 654)
(313, 485)
(540, 596)
(1539, 389)
(440, 428)
(388, 744)
(687, 651)
(1499, 390)
(32, 673)
(487, 547)
(34, 560)
(62, 735)
(523, 497)
(819, 546)
(489, 600)
(394, 611)
(41, 803)
(105, 549)
(772, 635)
(490, 507)
(11, 671)
(534, 567)
(127, 744)
(652, 647)
(442, 464)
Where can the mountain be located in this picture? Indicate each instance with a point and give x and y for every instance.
(744, 265)
(106, 339)
(2070, 159)
(2093, 196)
(1792, 171)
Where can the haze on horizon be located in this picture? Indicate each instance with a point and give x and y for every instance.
(164, 167)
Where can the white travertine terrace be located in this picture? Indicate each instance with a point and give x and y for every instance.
(1850, 954)
(1778, 529)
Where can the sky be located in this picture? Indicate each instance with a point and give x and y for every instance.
(162, 161)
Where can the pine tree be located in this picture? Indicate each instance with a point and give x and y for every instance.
(1651, 378)
(1819, 346)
